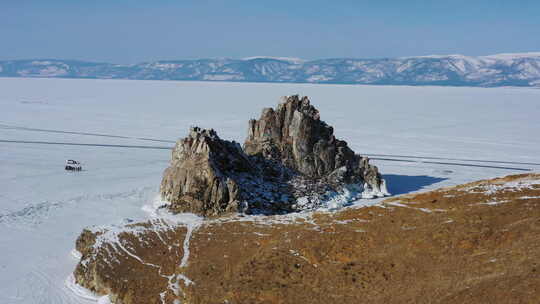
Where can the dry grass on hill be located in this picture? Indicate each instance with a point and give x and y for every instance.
(474, 243)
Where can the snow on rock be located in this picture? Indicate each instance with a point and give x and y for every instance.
(76, 254)
(512, 186)
(85, 293)
(103, 248)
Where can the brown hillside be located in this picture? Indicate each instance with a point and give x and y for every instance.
(474, 243)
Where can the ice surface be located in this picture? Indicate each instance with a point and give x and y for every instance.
(419, 137)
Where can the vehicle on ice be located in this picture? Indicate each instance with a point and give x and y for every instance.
(73, 165)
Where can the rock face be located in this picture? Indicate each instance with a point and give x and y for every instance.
(294, 135)
(210, 176)
(199, 177)
(290, 161)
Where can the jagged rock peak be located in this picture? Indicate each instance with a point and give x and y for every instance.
(295, 135)
(199, 176)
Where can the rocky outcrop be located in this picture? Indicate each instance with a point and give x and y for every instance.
(290, 161)
(294, 135)
(202, 177)
(210, 176)
(149, 250)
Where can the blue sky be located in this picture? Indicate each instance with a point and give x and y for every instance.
(134, 31)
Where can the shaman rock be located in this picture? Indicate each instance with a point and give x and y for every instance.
(291, 161)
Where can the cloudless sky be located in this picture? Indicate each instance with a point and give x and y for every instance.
(123, 31)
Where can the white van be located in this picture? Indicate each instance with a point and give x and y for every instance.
(73, 165)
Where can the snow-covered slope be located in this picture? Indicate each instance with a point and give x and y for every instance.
(521, 69)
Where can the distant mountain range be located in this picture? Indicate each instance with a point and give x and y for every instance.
(449, 70)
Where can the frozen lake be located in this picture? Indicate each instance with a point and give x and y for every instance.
(419, 137)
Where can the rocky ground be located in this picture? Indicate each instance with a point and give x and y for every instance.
(473, 243)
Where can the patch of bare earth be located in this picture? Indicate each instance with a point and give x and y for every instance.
(474, 243)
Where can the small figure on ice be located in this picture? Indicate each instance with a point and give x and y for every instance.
(73, 165)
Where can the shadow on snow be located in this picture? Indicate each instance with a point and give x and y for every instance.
(401, 184)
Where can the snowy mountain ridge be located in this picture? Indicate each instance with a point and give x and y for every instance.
(518, 69)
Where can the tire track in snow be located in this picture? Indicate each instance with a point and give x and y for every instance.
(375, 158)
(450, 164)
(12, 127)
(7, 126)
(46, 289)
(36, 213)
(82, 144)
(456, 159)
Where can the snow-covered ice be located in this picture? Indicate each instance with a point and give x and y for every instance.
(419, 137)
